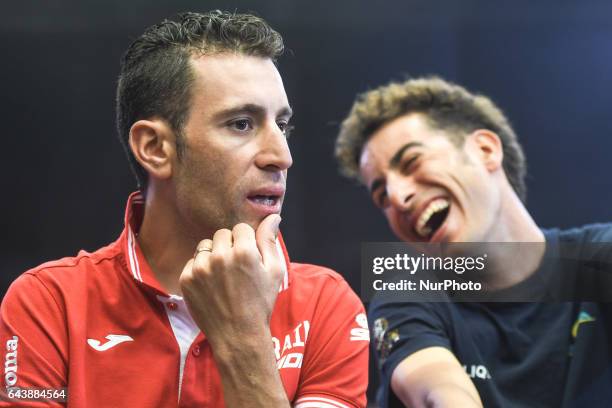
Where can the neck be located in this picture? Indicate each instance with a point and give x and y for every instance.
(165, 240)
(522, 248)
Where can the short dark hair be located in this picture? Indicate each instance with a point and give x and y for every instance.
(155, 78)
(446, 106)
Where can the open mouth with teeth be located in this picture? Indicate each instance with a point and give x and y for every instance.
(267, 200)
(432, 218)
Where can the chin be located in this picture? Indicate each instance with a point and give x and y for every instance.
(467, 237)
(253, 220)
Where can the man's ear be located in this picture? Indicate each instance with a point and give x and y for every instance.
(153, 145)
(488, 147)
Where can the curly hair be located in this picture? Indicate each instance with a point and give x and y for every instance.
(447, 106)
(155, 77)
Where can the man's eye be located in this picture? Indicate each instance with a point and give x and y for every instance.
(409, 164)
(241, 125)
(285, 127)
(381, 200)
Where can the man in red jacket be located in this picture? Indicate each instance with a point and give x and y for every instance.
(196, 303)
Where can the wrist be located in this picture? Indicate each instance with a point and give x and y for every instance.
(247, 362)
(243, 345)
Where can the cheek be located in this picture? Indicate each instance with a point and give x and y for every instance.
(397, 223)
(201, 177)
(214, 167)
(480, 186)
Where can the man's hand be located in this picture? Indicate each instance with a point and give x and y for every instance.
(230, 287)
(232, 282)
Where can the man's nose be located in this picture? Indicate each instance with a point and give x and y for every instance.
(400, 190)
(274, 153)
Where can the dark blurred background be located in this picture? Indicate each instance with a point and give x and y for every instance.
(548, 64)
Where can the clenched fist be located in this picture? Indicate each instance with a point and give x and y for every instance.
(232, 282)
(230, 287)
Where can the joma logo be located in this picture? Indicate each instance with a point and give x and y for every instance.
(10, 362)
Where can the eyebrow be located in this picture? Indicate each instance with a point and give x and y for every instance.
(253, 110)
(397, 157)
(394, 162)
